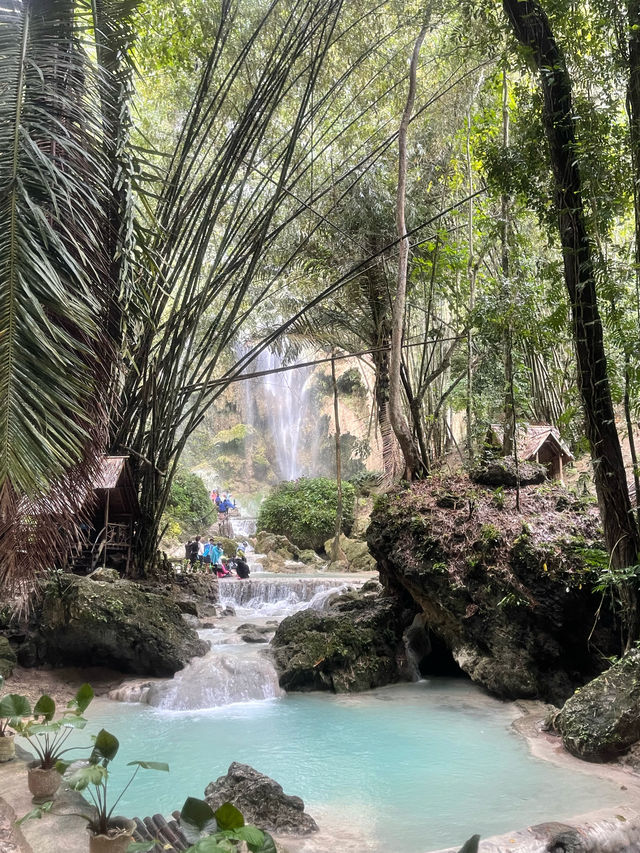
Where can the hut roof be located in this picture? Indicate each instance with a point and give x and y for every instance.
(531, 438)
(109, 472)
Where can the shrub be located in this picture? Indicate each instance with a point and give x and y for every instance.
(305, 511)
(189, 506)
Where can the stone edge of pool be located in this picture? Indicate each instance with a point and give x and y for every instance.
(613, 829)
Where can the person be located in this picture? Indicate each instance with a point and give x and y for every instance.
(222, 570)
(241, 566)
(225, 505)
(208, 553)
(191, 551)
(215, 554)
(215, 494)
(200, 549)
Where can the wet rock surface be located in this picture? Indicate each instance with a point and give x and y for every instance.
(506, 597)
(355, 644)
(601, 721)
(120, 625)
(261, 801)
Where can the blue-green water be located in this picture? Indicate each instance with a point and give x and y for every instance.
(404, 769)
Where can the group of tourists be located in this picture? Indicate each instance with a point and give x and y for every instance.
(224, 501)
(209, 557)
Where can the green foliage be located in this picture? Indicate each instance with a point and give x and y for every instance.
(48, 736)
(305, 511)
(13, 706)
(189, 507)
(217, 832)
(351, 383)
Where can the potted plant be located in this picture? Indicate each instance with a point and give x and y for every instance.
(12, 708)
(48, 737)
(108, 833)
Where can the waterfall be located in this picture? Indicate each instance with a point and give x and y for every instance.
(278, 596)
(279, 405)
(240, 674)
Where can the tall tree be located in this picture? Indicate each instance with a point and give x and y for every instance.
(533, 30)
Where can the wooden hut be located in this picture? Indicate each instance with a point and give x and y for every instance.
(113, 514)
(536, 443)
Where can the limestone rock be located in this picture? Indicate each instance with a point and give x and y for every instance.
(104, 574)
(7, 658)
(356, 553)
(261, 801)
(506, 597)
(120, 625)
(602, 720)
(198, 586)
(272, 542)
(502, 472)
(353, 645)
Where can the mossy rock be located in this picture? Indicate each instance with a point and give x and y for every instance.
(602, 720)
(502, 472)
(356, 555)
(120, 625)
(7, 658)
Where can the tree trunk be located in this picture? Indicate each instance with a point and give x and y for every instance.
(336, 551)
(533, 30)
(413, 465)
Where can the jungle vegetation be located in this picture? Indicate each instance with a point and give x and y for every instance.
(451, 187)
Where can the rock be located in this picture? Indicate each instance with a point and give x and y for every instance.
(602, 719)
(261, 801)
(509, 603)
(8, 658)
(308, 556)
(187, 606)
(356, 644)
(119, 625)
(269, 628)
(105, 575)
(199, 586)
(502, 472)
(272, 542)
(252, 636)
(356, 554)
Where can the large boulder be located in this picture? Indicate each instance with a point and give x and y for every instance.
(602, 720)
(353, 645)
(119, 624)
(261, 801)
(504, 472)
(357, 557)
(504, 596)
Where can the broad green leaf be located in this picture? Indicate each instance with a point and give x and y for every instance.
(471, 846)
(14, 705)
(150, 765)
(268, 845)
(82, 699)
(251, 834)
(89, 774)
(35, 813)
(211, 845)
(45, 707)
(197, 819)
(105, 746)
(229, 817)
(142, 846)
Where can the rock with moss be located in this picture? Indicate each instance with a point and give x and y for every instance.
(7, 658)
(357, 557)
(119, 625)
(505, 597)
(504, 472)
(601, 720)
(354, 645)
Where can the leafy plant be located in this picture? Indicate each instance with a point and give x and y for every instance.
(217, 832)
(304, 511)
(13, 706)
(47, 736)
(93, 776)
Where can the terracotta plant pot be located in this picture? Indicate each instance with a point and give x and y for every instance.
(7, 747)
(43, 784)
(119, 838)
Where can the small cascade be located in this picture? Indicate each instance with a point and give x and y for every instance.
(241, 674)
(278, 596)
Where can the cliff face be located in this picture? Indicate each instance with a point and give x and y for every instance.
(505, 596)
